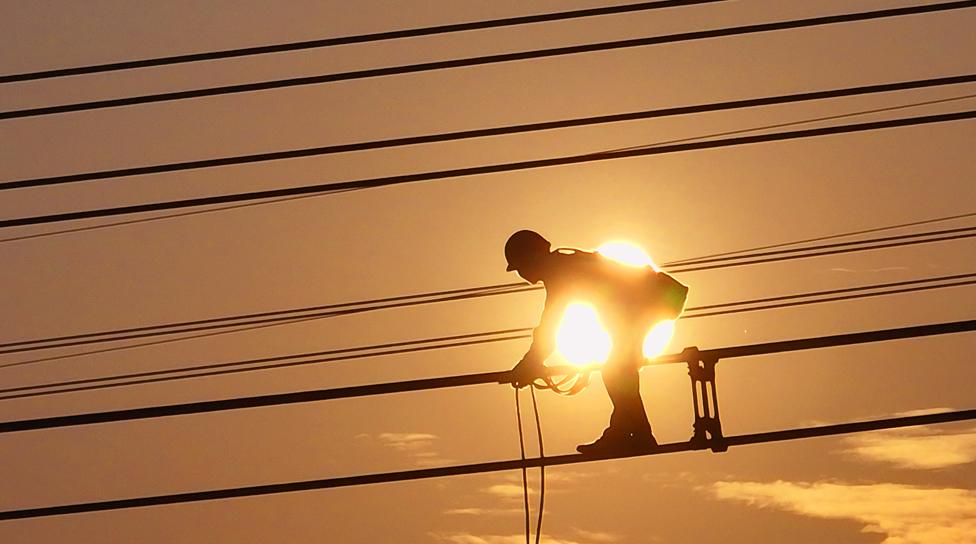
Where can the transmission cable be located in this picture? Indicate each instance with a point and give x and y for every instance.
(377, 304)
(348, 40)
(795, 123)
(516, 129)
(480, 468)
(486, 59)
(471, 339)
(250, 325)
(691, 266)
(286, 199)
(216, 324)
(348, 308)
(833, 236)
(387, 181)
(498, 377)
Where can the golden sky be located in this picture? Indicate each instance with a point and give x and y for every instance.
(897, 487)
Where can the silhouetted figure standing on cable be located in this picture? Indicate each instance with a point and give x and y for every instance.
(629, 300)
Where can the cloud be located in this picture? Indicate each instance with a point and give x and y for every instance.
(407, 441)
(507, 490)
(882, 269)
(904, 514)
(468, 538)
(596, 536)
(482, 511)
(419, 446)
(920, 448)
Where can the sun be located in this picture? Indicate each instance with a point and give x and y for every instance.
(626, 253)
(582, 338)
(657, 338)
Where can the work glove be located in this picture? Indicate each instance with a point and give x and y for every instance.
(525, 372)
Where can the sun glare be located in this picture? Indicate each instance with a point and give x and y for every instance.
(581, 338)
(657, 338)
(626, 253)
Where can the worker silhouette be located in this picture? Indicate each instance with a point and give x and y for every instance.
(629, 300)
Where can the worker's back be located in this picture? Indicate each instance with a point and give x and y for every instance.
(625, 296)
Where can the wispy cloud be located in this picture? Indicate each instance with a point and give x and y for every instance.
(855, 270)
(419, 446)
(919, 448)
(407, 441)
(596, 536)
(508, 493)
(507, 490)
(469, 538)
(482, 511)
(904, 514)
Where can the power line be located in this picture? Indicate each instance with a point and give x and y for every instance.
(301, 197)
(140, 220)
(487, 169)
(479, 468)
(493, 131)
(795, 123)
(349, 40)
(426, 384)
(335, 310)
(835, 236)
(271, 322)
(273, 318)
(486, 59)
(854, 243)
(824, 253)
(444, 342)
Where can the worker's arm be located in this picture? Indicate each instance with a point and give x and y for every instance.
(543, 337)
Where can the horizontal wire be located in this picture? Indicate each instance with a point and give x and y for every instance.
(347, 308)
(487, 59)
(833, 236)
(275, 317)
(387, 181)
(833, 245)
(472, 339)
(411, 300)
(348, 40)
(511, 129)
(300, 197)
(491, 466)
(502, 377)
(823, 253)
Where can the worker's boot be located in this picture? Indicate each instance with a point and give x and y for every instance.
(643, 440)
(610, 442)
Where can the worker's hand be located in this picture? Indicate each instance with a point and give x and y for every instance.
(525, 372)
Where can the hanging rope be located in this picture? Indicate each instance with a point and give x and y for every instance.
(542, 468)
(568, 385)
(525, 483)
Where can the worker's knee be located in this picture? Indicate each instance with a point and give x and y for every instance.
(616, 378)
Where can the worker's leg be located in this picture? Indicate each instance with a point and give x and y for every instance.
(623, 387)
(629, 426)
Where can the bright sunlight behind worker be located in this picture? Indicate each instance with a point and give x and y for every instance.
(626, 253)
(581, 338)
(657, 338)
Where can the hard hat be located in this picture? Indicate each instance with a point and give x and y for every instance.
(524, 246)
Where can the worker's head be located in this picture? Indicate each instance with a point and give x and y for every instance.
(527, 252)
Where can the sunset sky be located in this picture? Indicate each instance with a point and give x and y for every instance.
(908, 486)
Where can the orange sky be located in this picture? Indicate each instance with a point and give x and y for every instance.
(917, 485)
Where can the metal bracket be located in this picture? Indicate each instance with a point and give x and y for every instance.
(707, 427)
